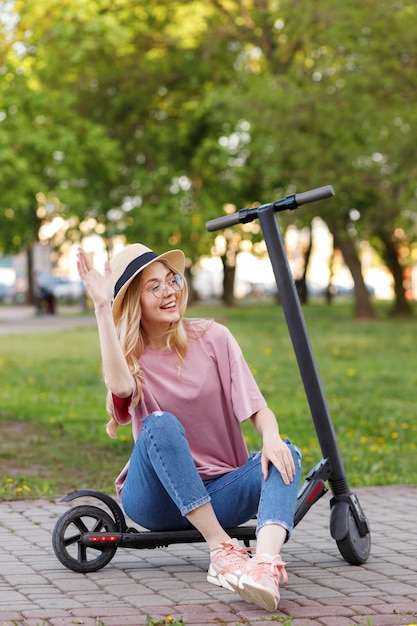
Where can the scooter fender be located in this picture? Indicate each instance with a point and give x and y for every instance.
(115, 509)
(339, 520)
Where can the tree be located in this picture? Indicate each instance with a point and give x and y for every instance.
(308, 86)
(121, 69)
(169, 111)
(53, 161)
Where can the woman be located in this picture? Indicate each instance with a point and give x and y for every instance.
(185, 387)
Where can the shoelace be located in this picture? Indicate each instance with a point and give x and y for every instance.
(235, 554)
(274, 568)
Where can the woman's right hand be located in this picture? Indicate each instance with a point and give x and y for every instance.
(100, 287)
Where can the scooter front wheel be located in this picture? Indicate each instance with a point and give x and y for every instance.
(67, 538)
(354, 548)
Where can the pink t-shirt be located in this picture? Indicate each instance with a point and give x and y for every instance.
(210, 393)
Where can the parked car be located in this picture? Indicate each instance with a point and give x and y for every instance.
(67, 290)
(6, 293)
(59, 287)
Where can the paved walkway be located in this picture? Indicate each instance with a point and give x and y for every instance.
(23, 319)
(323, 589)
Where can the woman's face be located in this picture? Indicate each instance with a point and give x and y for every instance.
(157, 312)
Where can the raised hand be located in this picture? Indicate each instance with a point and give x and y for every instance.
(100, 287)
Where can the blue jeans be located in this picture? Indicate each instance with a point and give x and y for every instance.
(163, 485)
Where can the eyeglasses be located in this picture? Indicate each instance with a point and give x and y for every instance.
(160, 288)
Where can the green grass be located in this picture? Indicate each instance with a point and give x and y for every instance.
(52, 413)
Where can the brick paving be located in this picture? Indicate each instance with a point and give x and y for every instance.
(323, 589)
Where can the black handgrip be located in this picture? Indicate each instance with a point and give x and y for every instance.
(314, 194)
(223, 222)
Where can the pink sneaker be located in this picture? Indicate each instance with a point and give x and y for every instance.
(227, 563)
(259, 583)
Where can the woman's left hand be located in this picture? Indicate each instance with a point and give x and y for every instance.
(276, 451)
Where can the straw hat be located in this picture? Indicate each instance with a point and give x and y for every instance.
(133, 259)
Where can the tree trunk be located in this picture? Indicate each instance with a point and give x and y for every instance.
(301, 283)
(402, 307)
(229, 272)
(229, 268)
(363, 305)
(192, 294)
(30, 295)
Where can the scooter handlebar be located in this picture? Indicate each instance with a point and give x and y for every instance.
(290, 202)
(313, 195)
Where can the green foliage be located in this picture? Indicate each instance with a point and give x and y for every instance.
(151, 116)
(52, 415)
(50, 153)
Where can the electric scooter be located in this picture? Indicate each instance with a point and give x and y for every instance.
(349, 526)
(86, 537)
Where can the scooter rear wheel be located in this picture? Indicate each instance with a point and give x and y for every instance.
(67, 538)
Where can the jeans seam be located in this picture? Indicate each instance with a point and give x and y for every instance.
(184, 509)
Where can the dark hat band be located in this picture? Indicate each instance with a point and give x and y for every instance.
(133, 268)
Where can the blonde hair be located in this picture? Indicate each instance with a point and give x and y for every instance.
(132, 339)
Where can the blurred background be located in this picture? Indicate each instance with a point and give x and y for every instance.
(124, 121)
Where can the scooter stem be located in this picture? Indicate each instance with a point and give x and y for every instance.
(302, 348)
